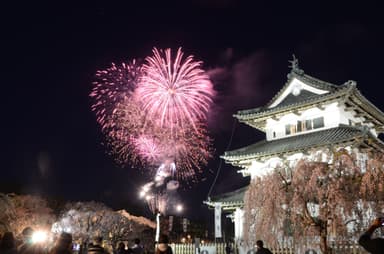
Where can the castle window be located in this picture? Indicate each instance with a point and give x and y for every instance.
(308, 125)
(274, 134)
(293, 128)
(287, 129)
(299, 125)
(318, 122)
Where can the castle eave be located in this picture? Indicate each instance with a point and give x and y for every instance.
(301, 143)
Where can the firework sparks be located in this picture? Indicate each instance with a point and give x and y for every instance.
(153, 114)
(161, 200)
(176, 91)
(147, 148)
(111, 86)
(129, 124)
(138, 139)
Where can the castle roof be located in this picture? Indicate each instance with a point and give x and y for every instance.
(229, 200)
(319, 93)
(342, 135)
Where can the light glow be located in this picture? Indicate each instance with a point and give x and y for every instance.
(39, 236)
(179, 208)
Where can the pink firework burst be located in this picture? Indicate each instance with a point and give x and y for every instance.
(188, 147)
(174, 91)
(112, 85)
(147, 148)
(128, 127)
(155, 113)
(191, 149)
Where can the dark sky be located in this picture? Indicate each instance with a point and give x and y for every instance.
(49, 55)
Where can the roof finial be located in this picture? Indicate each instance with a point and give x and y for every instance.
(295, 65)
(294, 62)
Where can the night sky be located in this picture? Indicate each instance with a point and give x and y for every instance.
(51, 142)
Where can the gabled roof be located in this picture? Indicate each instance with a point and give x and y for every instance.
(293, 99)
(229, 200)
(333, 92)
(308, 80)
(346, 93)
(342, 135)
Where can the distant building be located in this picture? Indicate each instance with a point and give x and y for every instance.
(306, 114)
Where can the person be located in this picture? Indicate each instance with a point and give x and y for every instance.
(260, 248)
(228, 248)
(137, 248)
(63, 244)
(129, 250)
(86, 246)
(27, 246)
(372, 245)
(7, 244)
(121, 248)
(96, 247)
(162, 246)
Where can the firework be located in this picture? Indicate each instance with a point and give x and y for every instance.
(182, 152)
(154, 114)
(147, 148)
(111, 86)
(157, 202)
(172, 185)
(174, 91)
(137, 138)
(134, 137)
(163, 201)
(190, 149)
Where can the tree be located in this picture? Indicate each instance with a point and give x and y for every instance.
(142, 228)
(316, 200)
(6, 212)
(88, 219)
(20, 211)
(83, 220)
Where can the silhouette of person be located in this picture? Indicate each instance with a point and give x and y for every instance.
(372, 245)
(163, 247)
(228, 248)
(63, 244)
(27, 246)
(96, 247)
(121, 248)
(261, 249)
(137, 248)
(7, 244)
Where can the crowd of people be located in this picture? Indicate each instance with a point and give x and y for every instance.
(62, 245)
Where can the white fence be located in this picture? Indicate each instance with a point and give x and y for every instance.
(219, 248)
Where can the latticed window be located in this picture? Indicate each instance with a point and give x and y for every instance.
(306, 125)
(299, 126)
(318, 122)
(287, 129)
